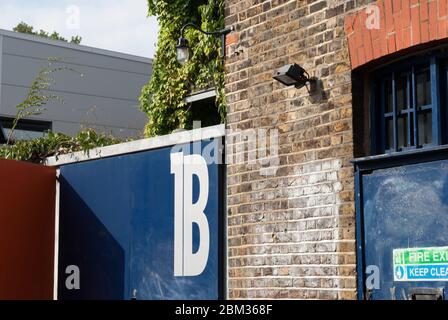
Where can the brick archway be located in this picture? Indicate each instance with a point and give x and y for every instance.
(399, 24)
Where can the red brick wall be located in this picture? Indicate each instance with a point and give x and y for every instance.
(402, 24)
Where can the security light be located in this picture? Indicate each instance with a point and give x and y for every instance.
(292, 75)
(183, 51)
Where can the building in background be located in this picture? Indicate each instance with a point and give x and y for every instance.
(101, 93)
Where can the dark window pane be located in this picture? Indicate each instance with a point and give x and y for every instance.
(401, 86)
(402, 130)
(19, 134)
(388, 96)
(425, 127)
(423, 86)
(389, 133)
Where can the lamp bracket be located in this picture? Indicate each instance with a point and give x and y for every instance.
(220, 33)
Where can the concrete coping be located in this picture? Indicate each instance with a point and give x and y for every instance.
(173, 139)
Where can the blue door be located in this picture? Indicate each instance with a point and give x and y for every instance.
(403, 231)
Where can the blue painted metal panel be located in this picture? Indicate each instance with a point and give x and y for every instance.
(153, 240)
(117, 226)
(359, 234)
(94, 229)
(403, 207)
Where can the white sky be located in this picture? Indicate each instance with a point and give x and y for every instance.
(118, 25)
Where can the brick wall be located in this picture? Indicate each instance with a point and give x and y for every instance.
(292, 235)
(402, 24)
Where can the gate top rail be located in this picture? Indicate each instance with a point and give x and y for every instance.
(173, 139)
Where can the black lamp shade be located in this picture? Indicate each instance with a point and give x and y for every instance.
(183, 51)
(292, 75)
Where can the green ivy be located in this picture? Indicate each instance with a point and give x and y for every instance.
(55, 144)
(163, 97)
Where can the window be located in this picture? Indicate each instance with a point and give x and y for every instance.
(25, 129)
(407, 105)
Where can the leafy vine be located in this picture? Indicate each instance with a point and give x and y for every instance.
(163, 98)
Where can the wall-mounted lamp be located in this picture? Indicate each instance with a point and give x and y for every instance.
(293, 75)
(183, 50)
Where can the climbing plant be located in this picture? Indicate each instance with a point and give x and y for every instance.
(163, 97)
(38, 94)
(55, 144)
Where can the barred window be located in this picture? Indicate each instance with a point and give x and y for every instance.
(407, 105)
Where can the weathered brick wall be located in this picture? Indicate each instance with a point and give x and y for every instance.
(292, 235)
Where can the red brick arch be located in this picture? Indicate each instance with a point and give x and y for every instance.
(402, 24)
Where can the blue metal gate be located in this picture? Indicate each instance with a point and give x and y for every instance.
(117, 226)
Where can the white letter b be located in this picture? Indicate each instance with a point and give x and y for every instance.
(187, 213)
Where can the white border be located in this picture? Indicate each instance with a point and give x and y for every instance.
(138, 145)
(56, 238)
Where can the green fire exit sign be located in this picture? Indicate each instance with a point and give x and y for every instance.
(421, 264)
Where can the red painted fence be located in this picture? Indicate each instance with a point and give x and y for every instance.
(27, 224)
